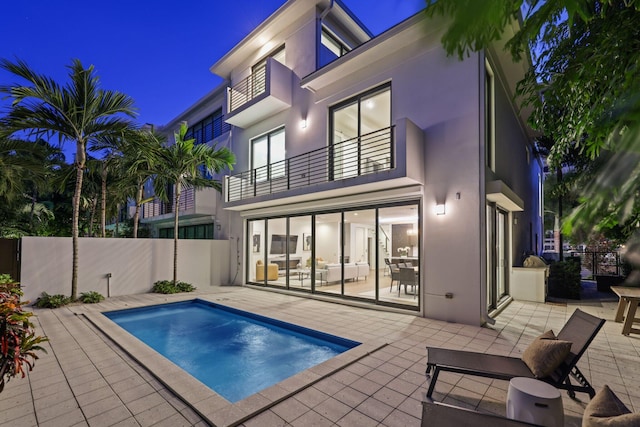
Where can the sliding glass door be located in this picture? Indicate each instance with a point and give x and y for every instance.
(497, 255)
(350, 253)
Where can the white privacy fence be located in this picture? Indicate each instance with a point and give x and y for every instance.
(119, 266)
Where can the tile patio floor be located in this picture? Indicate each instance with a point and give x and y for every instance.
(85, 379)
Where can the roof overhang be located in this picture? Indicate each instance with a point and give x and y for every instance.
(271, 31)
(397, 38)
(500, 193)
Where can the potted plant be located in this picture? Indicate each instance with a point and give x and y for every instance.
(404, 252)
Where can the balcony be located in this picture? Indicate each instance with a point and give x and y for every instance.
(266, 92)
(193, 203)
(365, 155)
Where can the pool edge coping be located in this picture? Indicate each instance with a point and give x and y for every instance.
(211, 406)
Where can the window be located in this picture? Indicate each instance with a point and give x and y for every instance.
(201, 231)
(361, 134)
(350, 253)
(259, 70)
(210, 128)
(267, 155)
(489, 117)
(331, 48)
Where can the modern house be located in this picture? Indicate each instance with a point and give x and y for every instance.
(369, 169)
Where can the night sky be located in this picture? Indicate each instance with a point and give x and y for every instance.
(158, 52)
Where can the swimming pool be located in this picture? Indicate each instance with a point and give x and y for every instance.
(233, 352)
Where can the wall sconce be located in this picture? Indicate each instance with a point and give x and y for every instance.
(303, 124)
(440, 210)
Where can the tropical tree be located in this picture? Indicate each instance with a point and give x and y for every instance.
(134, 152)
(76, 112)
(183, 165)
(584, 86)
(18, 160)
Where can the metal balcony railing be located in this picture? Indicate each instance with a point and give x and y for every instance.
(248, 89)
(366, 154)
(157, 207)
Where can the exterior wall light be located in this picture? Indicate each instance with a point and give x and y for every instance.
(440, 210)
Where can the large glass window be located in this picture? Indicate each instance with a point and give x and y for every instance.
(370, 254)
(361, 134)
(258, 71)
(268, 155)
(208, 129)
(359, 243)
(281, 251)
(398, 231)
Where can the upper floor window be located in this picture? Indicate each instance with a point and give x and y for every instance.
(259, 71)
(207, 129)
(489, 117)
(267, 155)
(331, 47)
(361, 133)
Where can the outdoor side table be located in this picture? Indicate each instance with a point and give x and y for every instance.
(535, 402)
(629, 296)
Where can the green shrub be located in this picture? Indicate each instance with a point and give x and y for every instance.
(52, 301)
(564, 280)
(185, 287)
(167, 287)
(18, 341)
(91, 297)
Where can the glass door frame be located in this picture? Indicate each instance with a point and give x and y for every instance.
(493, 212)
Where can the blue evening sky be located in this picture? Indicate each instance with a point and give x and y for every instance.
(157, 52)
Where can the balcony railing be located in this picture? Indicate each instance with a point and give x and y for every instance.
(157, 207)
(248, 89)
(366, 154)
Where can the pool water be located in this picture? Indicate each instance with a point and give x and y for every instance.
(233, 352)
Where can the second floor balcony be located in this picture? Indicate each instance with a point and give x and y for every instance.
(375, 161)
(265, 92)
(193, 203)
(353, 157)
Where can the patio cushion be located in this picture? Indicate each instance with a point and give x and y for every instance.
(545, 354)
(606, 409)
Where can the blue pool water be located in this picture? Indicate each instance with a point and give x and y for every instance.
(233, 352)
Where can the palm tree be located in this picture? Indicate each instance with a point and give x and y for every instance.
(180, 166)
(19, 160)
(77, 112)
(134, 152)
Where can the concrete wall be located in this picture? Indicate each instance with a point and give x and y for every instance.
(519, 168)
(135, 264)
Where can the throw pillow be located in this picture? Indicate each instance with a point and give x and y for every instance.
(606, 409)
(545, 354)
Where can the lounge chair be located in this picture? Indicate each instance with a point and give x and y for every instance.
(443, 415)
(580, 330)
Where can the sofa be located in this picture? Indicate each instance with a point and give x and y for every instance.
(351, 271)
(272, 271)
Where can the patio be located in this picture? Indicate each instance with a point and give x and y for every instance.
(87, 380)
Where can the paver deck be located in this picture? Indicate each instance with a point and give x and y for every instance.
(87, 379)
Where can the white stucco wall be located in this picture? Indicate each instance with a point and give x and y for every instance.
(135, 264)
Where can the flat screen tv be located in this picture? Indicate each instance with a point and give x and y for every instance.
(279, 244)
